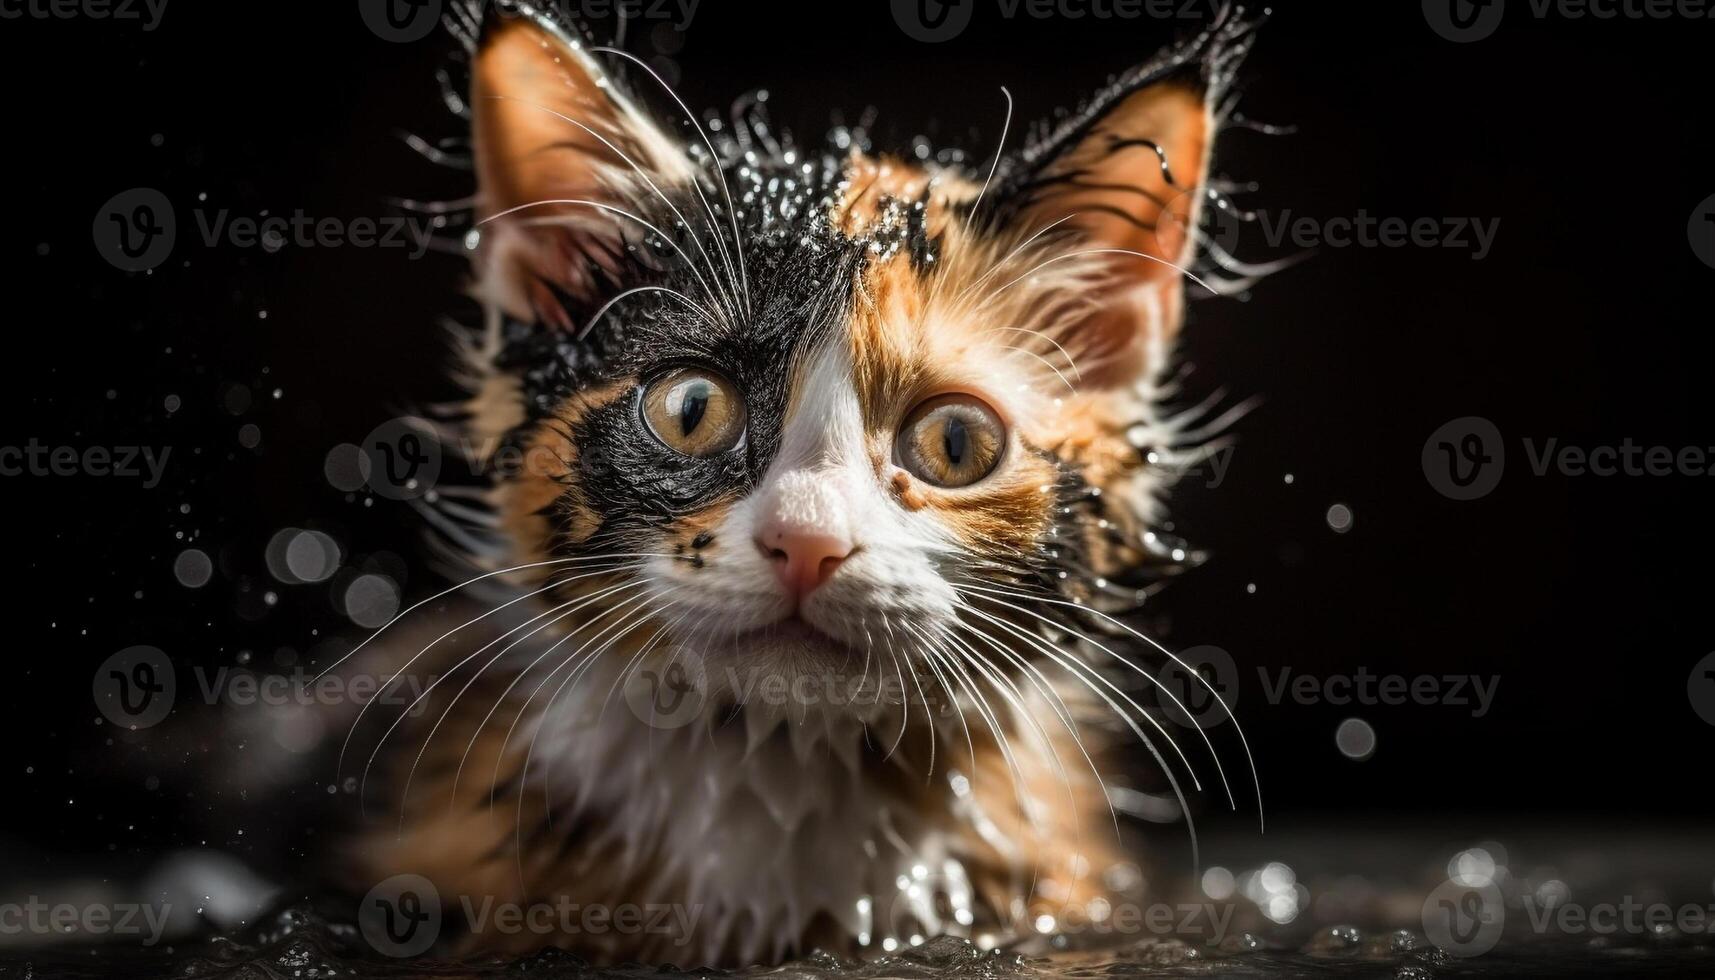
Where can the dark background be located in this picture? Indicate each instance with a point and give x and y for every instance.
(1589, 323)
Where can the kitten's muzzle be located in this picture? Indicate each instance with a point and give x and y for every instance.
(803, 561)
(804, 532)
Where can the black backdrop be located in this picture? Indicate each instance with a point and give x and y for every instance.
(1588, 322)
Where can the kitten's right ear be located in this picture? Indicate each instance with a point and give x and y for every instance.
(550, 127)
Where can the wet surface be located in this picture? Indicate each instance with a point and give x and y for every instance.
(1339, 903)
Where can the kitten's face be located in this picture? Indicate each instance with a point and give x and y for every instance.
(829, 423)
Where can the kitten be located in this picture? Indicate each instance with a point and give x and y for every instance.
(819, 468)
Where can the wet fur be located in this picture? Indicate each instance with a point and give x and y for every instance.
(903, 280)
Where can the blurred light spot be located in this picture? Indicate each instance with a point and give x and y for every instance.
(1474, 868)
(371, 600)
(1340, 518)
(193, 568)
(250, 436)
(344, 467)
(1281, 908)
(1277, 877)
(296, 556)
(1122, 877)
(1552, 892)
(1218, 883)
(1356, 739)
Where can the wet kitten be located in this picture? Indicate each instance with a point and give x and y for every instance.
(816, 468)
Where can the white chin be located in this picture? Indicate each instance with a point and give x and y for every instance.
(792, 669)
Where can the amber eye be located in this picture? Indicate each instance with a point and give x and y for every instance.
(951, 441)
(696, 412)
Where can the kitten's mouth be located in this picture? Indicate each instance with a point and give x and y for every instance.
(794, 645)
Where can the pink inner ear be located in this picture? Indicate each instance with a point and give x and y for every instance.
(541, 111)
(1115, 188)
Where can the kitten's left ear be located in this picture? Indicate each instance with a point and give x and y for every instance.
(551, 127)
(1126, 174)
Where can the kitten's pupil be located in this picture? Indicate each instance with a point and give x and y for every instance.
(954, 439)
(694, 403)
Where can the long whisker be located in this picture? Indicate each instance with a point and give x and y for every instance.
(634, 602)
(1070, 361)
(501, 699)
(610, 304)
(714, 158)
(339, 765)
(1008, 257)
(1183, 665)
(1071, 665)
(999, 148)
(558, 613)
(732, 309)
(446, 592)
(598, 205)
(929, 660)
(1014, 698)
(1085, 674)
(1187, 273)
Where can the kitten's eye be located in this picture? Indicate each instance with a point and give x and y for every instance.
(951, 441)
(696, 412)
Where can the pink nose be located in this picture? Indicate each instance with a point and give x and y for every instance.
(803, 560)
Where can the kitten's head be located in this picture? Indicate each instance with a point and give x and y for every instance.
(793, 408)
